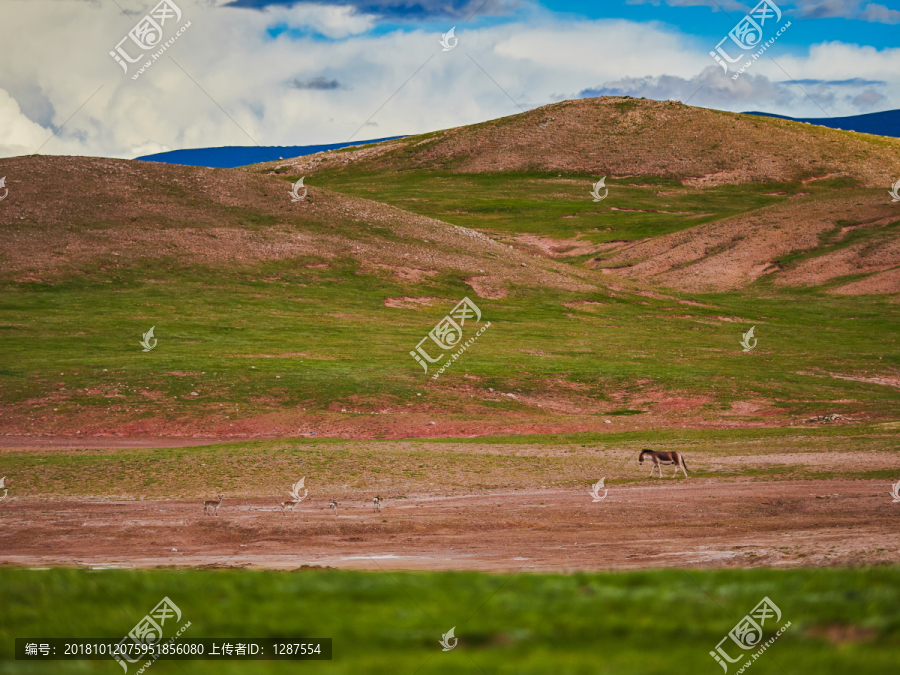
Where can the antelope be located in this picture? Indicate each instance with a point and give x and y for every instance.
(378, 501)
(295, 493)
(659, 457)
(212, 505)
(333, 505)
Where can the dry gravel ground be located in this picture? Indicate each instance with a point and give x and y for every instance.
(698, 522)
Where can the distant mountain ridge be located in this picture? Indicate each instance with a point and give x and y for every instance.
(886, 123)
(232, 156)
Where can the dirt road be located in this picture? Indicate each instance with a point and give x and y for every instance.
(693, 523)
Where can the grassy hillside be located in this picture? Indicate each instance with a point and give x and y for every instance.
(298, 346)
(621, 136)
(713, 200)
(281, 318)
(829, 233)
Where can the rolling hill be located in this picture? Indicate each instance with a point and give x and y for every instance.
(280, 318)
(699, 200)
(627, 137)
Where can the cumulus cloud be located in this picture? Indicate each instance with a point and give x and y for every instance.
(332, 20)
(869, 99)
(401, 9)
(827, 9)
(879, 14)
(18, 134)
(710, 89)
(847, 9)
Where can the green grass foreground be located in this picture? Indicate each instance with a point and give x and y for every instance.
(667, 621)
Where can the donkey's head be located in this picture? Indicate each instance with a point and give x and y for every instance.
(641, 456)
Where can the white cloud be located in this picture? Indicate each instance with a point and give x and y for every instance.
(328, 20)
(18, 134)
(868, 99)
(879, 14)
(238, 79)
(847, 9)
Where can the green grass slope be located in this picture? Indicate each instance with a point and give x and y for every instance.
(640, 622)
(279, 318)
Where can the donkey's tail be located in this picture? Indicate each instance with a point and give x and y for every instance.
(684, 464)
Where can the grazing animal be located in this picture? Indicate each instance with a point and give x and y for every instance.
(378, 502)
(2, 483)
(212, 505)
(333, 505)
(295, 493)
(595, 490)
(659, 457)
(895, 493)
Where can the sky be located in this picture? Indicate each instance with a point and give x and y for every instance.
(126, 78)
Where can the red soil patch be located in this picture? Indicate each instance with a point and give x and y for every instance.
(492, 288)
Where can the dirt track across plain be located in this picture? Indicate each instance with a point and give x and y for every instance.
(665, 523)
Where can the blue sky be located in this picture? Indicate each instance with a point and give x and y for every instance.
(245, 72)
(827, 19)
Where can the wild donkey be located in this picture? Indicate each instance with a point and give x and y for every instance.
(658, 457)
(212, 505)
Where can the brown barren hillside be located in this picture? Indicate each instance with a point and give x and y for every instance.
(63, 213)
(619, 137)
(730, 253)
